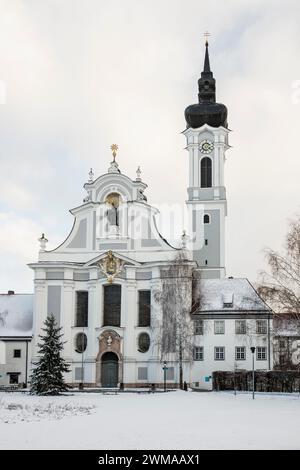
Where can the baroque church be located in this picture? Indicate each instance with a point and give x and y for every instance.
(102, 282)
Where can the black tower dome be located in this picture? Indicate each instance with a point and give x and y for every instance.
(207, 111)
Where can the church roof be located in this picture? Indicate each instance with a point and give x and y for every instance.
(207, 111)
(228, 296)
(16, 314)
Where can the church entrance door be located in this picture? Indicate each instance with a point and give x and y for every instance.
(109, 370)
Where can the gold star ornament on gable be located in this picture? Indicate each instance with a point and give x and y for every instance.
(114, 149)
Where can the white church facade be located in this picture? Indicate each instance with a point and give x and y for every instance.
(102, 283)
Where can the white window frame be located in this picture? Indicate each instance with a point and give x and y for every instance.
(218, 353)
(198, 353)
(259, 329)
(240, 351)
(198, 324)
(218, 330)
(261, 351)
(244, 322)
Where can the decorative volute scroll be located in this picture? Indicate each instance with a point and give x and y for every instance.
(111, 266)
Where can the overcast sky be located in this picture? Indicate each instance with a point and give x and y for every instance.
(79, 75)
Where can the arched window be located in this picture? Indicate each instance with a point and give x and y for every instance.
(144, 299)
(112, 305)
(206, 173)
(206, 219)
(143, 342)
(80, 342)
(82, 306)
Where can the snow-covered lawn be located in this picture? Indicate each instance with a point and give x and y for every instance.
(175, 420)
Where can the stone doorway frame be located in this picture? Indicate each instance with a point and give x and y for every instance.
(109, 341)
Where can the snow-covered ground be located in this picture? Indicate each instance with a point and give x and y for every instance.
(175, 420)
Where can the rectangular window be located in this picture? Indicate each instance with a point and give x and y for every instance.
(170, 373)
(282, 344)
(198, 327)
(17, 352)
(219, 327)
(14, 378)
(144, 308)
(240, 327)
(198, 353)
(240, 353)
(261, 353)
(79, 374)
(220, 353)
(112, 305)
(142, 373)
(261, 327)
(82, 305)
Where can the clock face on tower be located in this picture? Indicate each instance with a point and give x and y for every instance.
(206, 146)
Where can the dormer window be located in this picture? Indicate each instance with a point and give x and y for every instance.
(228, 300)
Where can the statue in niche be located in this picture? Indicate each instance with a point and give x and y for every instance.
(112, 216)
(113, 200)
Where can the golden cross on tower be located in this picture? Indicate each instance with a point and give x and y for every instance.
(114, 149)
(206, 36)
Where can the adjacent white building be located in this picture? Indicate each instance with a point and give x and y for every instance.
(15, 338)
(102, 283)
(231, 319)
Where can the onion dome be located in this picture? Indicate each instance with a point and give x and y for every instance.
(207, 111)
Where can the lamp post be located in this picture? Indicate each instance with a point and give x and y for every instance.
(165, 368)
(253, 378)
(82, 370)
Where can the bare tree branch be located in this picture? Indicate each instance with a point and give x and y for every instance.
(280, 286)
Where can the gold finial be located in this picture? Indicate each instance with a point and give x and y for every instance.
(114, 149)
(206, 36)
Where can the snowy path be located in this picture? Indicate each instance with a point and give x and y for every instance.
(176, 420)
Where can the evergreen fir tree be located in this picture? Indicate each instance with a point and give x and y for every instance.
(47, 377)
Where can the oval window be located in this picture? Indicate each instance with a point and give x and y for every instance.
(143, 342)
(80, 342)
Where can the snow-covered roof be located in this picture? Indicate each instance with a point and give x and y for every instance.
(228, 295)
(285, 326)
(16, 312)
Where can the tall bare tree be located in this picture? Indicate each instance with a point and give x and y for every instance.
(280, 286)
(174, 327)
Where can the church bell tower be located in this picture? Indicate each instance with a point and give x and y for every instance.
(207, 141)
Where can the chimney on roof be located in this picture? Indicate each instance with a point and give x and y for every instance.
(10, 292)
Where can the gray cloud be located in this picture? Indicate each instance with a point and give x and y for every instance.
(81, 75)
